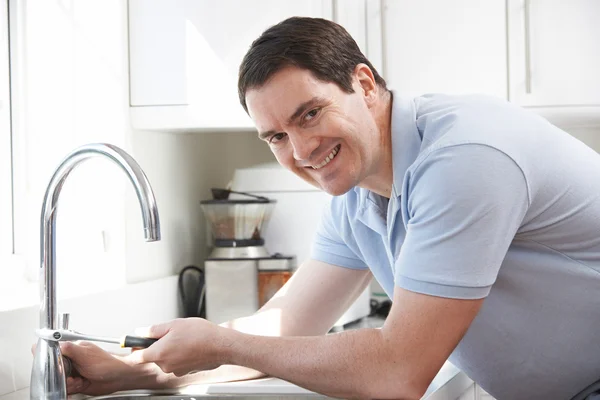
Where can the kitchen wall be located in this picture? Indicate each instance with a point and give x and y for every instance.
(182, 168)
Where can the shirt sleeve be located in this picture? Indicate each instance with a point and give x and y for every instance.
(328, 245)
(463, 205)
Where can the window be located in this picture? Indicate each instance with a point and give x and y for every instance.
(63, 80)
(6, 212)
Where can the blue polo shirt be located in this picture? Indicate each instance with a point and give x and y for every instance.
(488, 201)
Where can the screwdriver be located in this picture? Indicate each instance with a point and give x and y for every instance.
(124, 341)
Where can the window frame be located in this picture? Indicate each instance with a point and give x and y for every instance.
(6, 154)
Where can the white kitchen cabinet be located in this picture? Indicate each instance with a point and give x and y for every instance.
(452, 47)
(185, 54)
(554, 52)
(351, 15)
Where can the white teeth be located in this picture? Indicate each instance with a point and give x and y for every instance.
(328, 158)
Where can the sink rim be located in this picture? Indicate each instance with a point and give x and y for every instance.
(174, 394)
(151, 395)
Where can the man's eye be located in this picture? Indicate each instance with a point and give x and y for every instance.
(277, 137)
(311, 114)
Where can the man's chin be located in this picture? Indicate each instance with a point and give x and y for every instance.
(335, 190)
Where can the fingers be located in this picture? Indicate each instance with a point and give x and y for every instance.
(76, 385)
(152, 353)
(148, 355)
(154, 331)
(79, 350)
(69, 349)
(142, 356)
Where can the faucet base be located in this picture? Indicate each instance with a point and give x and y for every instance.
(48, 380)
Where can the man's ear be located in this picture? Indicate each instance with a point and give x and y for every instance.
(366, 84)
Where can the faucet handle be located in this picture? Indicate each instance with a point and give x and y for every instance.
(64, 321)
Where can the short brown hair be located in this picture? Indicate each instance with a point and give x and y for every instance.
(318, 45)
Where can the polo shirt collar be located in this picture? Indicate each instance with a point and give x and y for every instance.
(406, 145)
(406, 139)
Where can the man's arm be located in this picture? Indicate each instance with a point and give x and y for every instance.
(398, 361)
(307, 305)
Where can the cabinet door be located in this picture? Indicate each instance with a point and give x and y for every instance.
(554, 52)
(351, 14)
(445, 46)
(187, 52)
(157, 59)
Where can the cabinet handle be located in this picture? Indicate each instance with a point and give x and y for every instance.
(526, 13)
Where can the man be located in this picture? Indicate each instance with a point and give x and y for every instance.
(479, 219)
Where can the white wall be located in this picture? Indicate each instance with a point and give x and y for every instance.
(182, 168)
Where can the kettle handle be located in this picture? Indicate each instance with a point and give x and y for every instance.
(184, 300)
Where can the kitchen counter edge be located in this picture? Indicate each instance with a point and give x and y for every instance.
(449, 383)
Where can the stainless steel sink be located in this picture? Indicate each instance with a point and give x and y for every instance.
(160, 395)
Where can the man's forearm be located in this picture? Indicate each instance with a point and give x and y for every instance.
(150, 376)
(225, 373)
(355, 364)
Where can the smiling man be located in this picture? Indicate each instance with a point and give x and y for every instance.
(329, 139)
(478, 218)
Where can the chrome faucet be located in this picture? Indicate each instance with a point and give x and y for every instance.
(48, 378)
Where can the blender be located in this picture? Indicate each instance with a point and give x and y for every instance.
(240, 273)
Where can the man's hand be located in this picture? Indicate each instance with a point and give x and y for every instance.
(99, 372)
(185, 345)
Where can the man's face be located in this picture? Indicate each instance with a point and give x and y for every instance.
(324, 135)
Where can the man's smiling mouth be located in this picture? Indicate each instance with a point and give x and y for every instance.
(328, 159)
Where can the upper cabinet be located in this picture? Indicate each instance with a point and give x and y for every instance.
(185, 54)
(452, 47)
(554, 52)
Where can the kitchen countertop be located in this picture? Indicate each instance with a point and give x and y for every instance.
(448, 384)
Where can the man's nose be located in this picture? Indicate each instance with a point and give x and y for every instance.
(304, 147)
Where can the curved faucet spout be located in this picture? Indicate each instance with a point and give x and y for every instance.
(50, 363)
